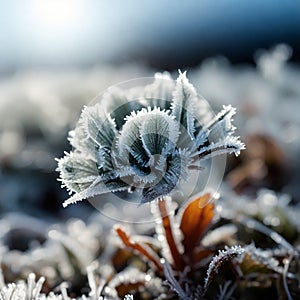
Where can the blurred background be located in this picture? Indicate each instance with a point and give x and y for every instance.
(57, 55)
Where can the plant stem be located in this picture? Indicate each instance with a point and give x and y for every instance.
(177, 257)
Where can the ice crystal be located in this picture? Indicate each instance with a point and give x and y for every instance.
(31, 290)
(22, 290)
(145, 139)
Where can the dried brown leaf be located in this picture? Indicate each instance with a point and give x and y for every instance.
(196, 217)
(140, 248)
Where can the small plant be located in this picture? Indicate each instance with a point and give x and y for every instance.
(149, 142)
(146, 140)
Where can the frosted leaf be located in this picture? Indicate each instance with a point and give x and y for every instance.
(77, 172)
(167, 183)
(133, 277)
(98, 187)
(221, 125)
(99, 127)
(164, 142)
(119, 104)
(184, 99)
(129, 275)
(218, 129)
(228, 145)
(81, 142)
(218, 261)
(129, 139)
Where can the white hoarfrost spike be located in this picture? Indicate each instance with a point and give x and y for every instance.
(29, 290)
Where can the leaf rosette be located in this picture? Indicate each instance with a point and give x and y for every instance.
(144, 139)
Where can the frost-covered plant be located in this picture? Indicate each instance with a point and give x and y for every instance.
(189, 242)
(22, 290)
(32, 290)
(145, 139)
(59, 252)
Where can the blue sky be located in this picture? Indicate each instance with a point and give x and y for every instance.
(84, 32)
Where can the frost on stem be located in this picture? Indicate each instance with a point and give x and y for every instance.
(145, 139)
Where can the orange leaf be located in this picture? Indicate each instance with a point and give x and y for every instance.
(195, 219)
(140, 248)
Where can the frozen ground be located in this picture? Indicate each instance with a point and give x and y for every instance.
(38, 108)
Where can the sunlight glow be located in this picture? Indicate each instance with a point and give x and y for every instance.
(56, 29)
(56, 14)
